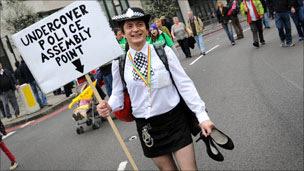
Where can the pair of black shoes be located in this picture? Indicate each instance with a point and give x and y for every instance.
(219, 138)
(256, 44)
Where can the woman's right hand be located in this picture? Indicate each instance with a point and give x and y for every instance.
(104, 109)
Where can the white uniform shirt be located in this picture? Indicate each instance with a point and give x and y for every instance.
(164, 95)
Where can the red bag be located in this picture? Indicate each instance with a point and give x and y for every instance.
(125, 114)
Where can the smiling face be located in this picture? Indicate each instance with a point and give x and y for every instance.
(135, 32)
(154, 32)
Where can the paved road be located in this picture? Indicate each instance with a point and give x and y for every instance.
(254, 95)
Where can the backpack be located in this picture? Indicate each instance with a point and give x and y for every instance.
(127, 111)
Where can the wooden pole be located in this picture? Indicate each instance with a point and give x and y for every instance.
(118, 136)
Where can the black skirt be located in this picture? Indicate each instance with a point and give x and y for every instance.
(165, 133)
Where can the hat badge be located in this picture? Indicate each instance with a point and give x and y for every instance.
(129, 13)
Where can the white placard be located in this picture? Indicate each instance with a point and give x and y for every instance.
(67, 44)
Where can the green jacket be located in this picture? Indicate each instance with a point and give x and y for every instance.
(122, 42)
(199, 25)
(258, 5)
(161, 40)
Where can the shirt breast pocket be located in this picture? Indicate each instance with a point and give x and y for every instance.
(161, 79)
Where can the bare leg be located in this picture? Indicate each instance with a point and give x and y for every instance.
(186, 158)
(165, 162)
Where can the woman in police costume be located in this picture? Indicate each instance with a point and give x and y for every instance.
(156, 104)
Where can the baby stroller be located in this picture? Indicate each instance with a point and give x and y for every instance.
(85, 113)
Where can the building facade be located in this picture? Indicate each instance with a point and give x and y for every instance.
(201, 8)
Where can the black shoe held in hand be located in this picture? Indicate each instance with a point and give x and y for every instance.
(221, 139)
(212, 150)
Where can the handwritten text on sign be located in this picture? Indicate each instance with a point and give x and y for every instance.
(76, 37)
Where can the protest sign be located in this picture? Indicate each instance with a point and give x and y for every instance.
(67, 44)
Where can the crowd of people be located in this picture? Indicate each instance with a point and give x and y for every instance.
(257, 14)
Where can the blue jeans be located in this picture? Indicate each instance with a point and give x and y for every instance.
(6, 97)
(108, 82)
(299, 24)
(228, 29)
(282, 21)
(200, 41)
(266, 20)
(39, 95)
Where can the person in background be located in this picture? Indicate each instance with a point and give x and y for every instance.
(225, 20)
(120, 38)
(158, 38)
(17, 72)
(196, 26)
(8, 85)
(2, 109)
(266, 14)
(4, 148)
(161, 27)
(180, 33)
(105, 73)
(269, 5)
(166, 22)
(28, 77)
(254, 11)
(296, 7)
(282, 10)
(233, 12)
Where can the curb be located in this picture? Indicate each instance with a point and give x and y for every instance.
(33, 116)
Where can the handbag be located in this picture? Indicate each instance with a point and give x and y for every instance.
(125, 114)
(191, 42)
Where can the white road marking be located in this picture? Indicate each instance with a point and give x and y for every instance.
(26, 124)
(9, 134)
(206, 53)
(122, 166)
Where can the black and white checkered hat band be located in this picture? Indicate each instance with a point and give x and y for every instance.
(125, 16)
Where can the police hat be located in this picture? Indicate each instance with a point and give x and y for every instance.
(131, 14)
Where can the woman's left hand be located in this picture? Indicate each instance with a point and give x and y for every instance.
(206, 127)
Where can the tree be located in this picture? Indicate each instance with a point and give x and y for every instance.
(16, 15)
(159, 8)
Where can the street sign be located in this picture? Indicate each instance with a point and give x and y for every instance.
(67, 44)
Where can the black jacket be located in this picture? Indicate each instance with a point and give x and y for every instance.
(7, 81)
(223, 17)
(24, 74)
(281, 5)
